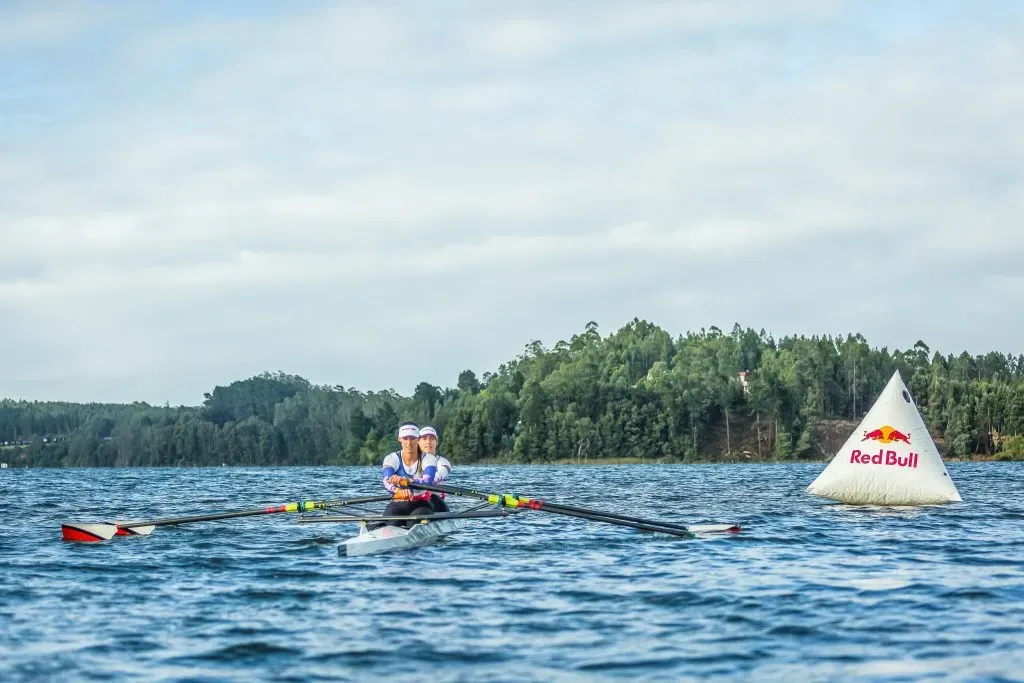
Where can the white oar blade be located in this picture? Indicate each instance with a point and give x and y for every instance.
(132, 530)
(81, 532)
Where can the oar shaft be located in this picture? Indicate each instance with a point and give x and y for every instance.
(352, 501)
(644, 526)
(509, 499)
(582, 513)
(621, 518)
(286, 507)
(171, 521)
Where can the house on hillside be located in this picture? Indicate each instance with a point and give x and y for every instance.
(744, 375)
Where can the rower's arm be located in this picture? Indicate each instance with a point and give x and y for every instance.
(444, 468)
(429, 470)
(390, 468)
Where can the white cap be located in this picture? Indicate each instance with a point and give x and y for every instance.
(428, 431)
(408, 430)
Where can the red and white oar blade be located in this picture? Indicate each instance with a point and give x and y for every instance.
(132, 530)
(713, 528)
(83, 532)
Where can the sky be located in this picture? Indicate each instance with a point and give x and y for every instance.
(375, 194)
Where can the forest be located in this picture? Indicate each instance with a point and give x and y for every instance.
(638, 394)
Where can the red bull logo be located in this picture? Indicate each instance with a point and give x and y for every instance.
(883, 457)
(886, 434)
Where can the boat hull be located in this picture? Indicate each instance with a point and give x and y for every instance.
(391, 538)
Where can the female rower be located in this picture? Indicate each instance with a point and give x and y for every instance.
(428, 444)
(412, 464)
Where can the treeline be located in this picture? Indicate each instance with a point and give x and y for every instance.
(637, 393)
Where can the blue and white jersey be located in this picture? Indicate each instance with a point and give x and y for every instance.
(423, 472)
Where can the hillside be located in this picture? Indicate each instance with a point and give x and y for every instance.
(637, 394)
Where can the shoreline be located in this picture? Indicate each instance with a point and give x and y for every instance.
(701, 461)
(563, 462)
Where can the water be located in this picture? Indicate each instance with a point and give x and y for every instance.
(808, 591)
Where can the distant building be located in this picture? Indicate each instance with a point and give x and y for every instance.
(744, 374)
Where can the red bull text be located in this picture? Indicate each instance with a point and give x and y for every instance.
(883, 457)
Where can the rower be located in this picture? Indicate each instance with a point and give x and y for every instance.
(428, 444)
(410, 463)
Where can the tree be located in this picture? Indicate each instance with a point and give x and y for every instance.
(637, 392)
(468, 382)
(428, 396)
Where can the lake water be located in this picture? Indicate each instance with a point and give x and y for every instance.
(809, 590)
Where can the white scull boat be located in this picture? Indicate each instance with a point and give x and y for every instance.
(388, 538)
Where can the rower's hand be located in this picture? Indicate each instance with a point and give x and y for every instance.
(402, 494)
(398, 480)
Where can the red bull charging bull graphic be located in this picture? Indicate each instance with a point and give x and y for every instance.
(885, 434)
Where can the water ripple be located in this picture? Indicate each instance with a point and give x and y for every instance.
(810, 591)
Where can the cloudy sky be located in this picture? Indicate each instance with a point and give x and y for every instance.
(378, 193)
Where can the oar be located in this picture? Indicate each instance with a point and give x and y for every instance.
(104, 531)
(478, 514)
(536, 504)
(510, 500)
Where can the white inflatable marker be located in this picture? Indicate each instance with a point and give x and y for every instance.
(890, 459)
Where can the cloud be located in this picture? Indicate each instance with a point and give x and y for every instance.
(31, 25)
(375, 196)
